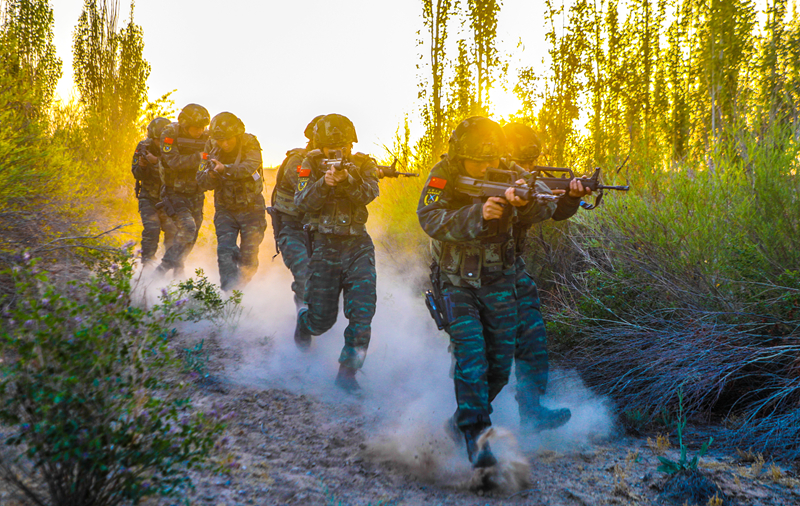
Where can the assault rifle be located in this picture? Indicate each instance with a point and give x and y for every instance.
(336, 160)
(391, 171)
(558, 178)
(495, 183)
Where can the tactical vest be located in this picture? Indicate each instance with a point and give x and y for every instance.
(150, 182)
(283, 193)
(239, 194)
(178, 179)
(340, 216)
(469, 263)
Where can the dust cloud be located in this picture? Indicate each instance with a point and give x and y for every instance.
(407, 392)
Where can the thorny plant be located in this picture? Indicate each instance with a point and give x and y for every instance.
(87, 386)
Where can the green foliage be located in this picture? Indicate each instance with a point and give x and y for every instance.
(88, 385)
(195, 360)
(204, 300)
(111, 74)
(669, 466)
(27, 53)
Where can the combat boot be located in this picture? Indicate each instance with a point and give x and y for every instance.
(346, 379)
(479, 458)
(302, 339)
(535, 418)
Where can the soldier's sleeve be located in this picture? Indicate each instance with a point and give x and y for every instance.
(208, 179)
(566, 208)
(249, 165)
(364, 189)
(171, 158)
(536, 211)
(439, 216)
(311, 191)
(138, 170)
(290, 170)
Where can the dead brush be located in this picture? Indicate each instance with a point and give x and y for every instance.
(660, 445)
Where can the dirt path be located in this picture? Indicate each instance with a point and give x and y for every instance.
(292, 446)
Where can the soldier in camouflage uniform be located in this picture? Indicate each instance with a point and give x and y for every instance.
(182, 146)
(531, 349)
(334, 198)
(474, 265)
(287, 219)
(148, 191)
(233, 169)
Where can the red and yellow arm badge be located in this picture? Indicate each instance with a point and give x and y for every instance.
(166, 146)
(303, 175)
(434, 190)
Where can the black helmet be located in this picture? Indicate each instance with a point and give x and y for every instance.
(334, 130)
(155, 127)
(225, 125)
(194, 115)
(523, 143)
(477, 138)
(309, 131)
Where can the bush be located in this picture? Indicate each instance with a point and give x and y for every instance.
(88, 387)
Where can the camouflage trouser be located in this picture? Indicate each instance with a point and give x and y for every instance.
(531, 350)
(188, 218)
(153, 222)
(342, 264)
(238, 262)
(292, 245)
(483, 326)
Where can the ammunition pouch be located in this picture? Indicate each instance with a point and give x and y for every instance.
(472, 259)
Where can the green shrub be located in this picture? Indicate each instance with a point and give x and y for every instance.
(669, 466)
(88, 385)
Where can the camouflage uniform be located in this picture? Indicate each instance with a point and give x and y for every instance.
(531, 349)
(288, 222)
(530, 355)
(476, 269)
(239, 208)
(343, 258)
(180, 192)
(148, 190)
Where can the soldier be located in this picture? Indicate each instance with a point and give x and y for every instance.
(287, 219)
(148, 191)
(530, 353)
(182, 145)
(474, 269)
(233, 170)
(334, 195)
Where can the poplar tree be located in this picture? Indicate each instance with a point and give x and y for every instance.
(27, 53)
(111, 74)
(436, 15)
(482, 16)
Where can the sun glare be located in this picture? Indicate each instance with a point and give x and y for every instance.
(505, 102)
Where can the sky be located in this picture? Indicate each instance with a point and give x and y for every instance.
(277, 65)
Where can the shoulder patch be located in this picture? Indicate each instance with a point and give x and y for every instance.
(303, 176)
(432, 195)
(169, 140)
(438, 183)
(166, 148)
